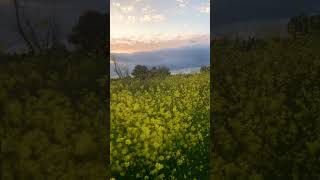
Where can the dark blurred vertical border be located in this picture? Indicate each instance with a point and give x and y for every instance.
(265, 89)
(212, 53)
(108, 125)
(54, 89)
(108, 95)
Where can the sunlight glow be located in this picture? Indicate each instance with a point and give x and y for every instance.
(146, 25)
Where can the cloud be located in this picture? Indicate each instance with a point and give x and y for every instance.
(127, 9)
(152, 18)
(156, 42)
(182, 3)
(205, 8)
(148, 9)
(131, 19)
(125, 12)
(115, 4)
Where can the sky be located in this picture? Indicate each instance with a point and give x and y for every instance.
(66, 13)
(230, 11)
(242, 16)
(185, 17)
(148, 25)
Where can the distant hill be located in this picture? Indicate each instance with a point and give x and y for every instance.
(174, 58)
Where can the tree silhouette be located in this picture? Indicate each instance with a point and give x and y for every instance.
(90, 33)
(31, 30)
(140, 71)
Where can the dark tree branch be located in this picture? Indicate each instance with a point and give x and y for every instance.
(20, 28)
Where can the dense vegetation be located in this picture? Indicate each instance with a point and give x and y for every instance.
(160, 127)
(143, 72)
(53, 117)
(265, 115)
(53, 106)
(266, 109)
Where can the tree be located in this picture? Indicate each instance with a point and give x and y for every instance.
(90, 33)
(122, 72)
(140, 71)
(21, 29)
(205, 69)
(159, 71)
(315, 23)
(163, 71)
(299, 25)
(40, 35)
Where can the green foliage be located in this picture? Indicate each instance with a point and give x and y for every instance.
(142, 72)
(205, 69)
(266, 109)
(90, 33)
(161, 71)
(53, 117)
(160, 128)
(303, 25)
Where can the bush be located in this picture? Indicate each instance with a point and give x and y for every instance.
(142, 72)
(205, 69)
(160, 131)
(53, 114)
(266, 111)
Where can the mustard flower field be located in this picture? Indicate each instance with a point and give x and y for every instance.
(160, 127)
